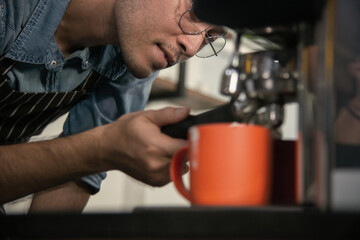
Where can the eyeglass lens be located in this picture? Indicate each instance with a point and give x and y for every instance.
(192, 25)
(213, 47)
(214, 42)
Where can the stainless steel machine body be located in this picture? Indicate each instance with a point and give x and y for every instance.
(313, 59)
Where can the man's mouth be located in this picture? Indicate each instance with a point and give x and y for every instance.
(169, 55)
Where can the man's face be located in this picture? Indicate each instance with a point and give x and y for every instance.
(150, 37)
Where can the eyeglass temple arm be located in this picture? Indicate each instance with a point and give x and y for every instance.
(212, 47)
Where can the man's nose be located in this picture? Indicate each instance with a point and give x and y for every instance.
(190, 44)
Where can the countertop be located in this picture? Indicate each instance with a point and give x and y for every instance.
(189, 223)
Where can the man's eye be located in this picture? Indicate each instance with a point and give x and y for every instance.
(216, 32)
(211, 37)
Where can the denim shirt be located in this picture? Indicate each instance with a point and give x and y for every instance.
(27, 30)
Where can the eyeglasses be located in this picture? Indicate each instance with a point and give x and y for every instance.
(214, 38)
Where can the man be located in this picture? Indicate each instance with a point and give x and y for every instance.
(97, 58)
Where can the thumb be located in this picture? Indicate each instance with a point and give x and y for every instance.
(168, 115)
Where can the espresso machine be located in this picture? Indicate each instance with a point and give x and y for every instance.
(310, 56)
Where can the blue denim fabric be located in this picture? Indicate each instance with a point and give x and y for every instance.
(27, 35)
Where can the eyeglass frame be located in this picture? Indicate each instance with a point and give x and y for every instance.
(207, 36)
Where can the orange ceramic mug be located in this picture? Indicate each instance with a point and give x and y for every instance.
(230, 165)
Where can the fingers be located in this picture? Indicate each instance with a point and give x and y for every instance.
(154, 176)
(165, 116)
(140, 149)
(168, 115)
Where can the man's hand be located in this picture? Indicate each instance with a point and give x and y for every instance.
(145, 154)
(136, 146)
(133, 144)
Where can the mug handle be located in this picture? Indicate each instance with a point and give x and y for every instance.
(177, 162)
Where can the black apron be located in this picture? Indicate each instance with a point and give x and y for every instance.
(25, 114)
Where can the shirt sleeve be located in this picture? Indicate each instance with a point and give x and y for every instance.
(108, 102)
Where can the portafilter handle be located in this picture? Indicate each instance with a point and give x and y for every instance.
(223, 113)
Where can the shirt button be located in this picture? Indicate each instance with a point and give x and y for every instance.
(53, 63)
(87, 63)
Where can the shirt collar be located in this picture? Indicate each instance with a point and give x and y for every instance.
(39, 32)
(36, 44)
(107, 60)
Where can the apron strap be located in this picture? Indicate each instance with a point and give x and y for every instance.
(5, 65)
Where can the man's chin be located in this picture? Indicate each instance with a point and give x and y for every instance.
(140, 73)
